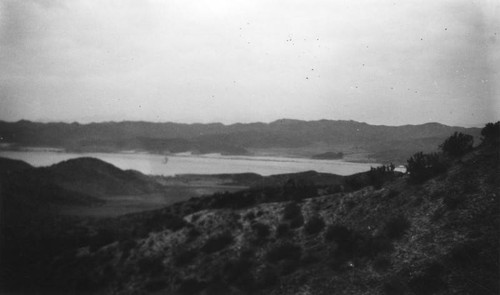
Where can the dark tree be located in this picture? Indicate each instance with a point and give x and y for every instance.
(491, 133)
(457, 145)
(424, 166)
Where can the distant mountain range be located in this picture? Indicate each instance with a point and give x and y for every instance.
(356, 141)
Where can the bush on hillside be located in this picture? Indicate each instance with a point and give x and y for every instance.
(422, 167)
(337, 233)
(217, 287)
(155, 285)
(395, 286)
(382, 263)
(191, 286)
(283, 251)
(102, 238)
(236, 270)
(291, 211)
(298, 189)
(151, 265)
(297, 221)
(453, 199)
(457, 145)
(490, 134)
(282, 230)
(250, 216)
(217, 242)
(310, 258)
(192, 234)
(314, 225)
(266, 277)
(396, 227)
(289, 266)
(261, 230)
(430, 281)
(184, 256)
(159, 222)
(378, 175)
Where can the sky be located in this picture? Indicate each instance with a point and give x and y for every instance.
(380, 62)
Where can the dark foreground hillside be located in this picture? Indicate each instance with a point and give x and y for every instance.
(367, 234)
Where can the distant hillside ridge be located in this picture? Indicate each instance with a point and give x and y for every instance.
(304, 138)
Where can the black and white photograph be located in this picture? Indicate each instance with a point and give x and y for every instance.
(282, 147)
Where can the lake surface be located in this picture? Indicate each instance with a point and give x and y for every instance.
(195, 164)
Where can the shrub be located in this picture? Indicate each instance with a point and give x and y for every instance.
(155, 285)
(297, 189)
(337, 233)
(309, 258)
(250, 216)
(453, 199)
(378, 175)
(162, 221)
(464, 255)
(430, 281)
(394, 286)
(490, 134)
(297, 221)
(192, 234)
(217, 242)
(382, 263)
(396, 227)
(261, 230)
(236, 269)
(376, 245)
(392, 193)
(266, 277)
(191, 286)
(314, 225)
(422, 167)
(282, 230)
(151, 265)
(102, 238)
(283, 251)
(217, 287)
(184, 256)
(288, 266)
(291, 211)
(126, 246)
(457, 145)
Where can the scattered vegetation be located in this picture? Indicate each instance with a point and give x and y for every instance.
(217, 242)
(422, 167)
(291, 211)
(378, 175)
(282, 251)
(396, 227)
(282, 230)
(491, 134)
(314, 225)
(261, 230)
(184, 256)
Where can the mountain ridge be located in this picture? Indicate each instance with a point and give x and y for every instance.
(358, 141)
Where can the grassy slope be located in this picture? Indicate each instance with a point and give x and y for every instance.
(440, 237)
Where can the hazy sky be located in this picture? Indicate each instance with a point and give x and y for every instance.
(381, 62)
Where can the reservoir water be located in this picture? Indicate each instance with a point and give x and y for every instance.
(195, 164)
